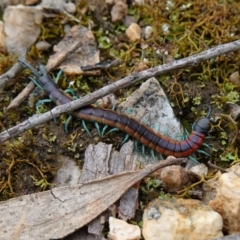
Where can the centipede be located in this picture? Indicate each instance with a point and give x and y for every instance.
(130, 125)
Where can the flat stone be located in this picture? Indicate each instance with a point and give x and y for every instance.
(150, 105)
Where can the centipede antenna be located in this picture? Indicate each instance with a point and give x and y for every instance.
(31, 68)
(85, 127)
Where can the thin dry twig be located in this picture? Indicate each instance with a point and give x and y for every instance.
(10, 74)
(21, 96)
(124, 82)
(7, 77)
(210, 164)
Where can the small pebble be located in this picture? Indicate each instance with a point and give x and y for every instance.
(43, 45)
(148, 32)
(119, 11)
(121, 230)
(70, 7)
(134, 32)
(198, 170)
(235, 78)
(173, 178)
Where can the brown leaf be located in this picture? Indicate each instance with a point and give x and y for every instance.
(59, 212)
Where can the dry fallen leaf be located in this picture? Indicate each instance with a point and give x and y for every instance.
(60, 211)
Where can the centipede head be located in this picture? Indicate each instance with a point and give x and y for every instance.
(203, 124)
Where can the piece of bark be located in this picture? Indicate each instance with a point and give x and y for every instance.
(56, 213)
(100, 161)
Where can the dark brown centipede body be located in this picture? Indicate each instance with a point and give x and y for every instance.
(133, 127)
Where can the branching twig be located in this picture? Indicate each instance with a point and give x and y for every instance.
(10, 74)
(124, 82)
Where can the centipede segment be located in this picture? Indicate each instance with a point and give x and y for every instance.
(132, 126)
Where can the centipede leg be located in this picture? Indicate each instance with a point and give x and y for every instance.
(31, 68)
(67, 123)
(104, 129)
(98, 128)
(85, 127)
(206, 145)
(39, 103)
(113, 130)
(161, 156)
(143, 151)
(58, 76)
(125, 139)
(193, 160)
(203, 152)
(71, 91)
(136, 146)
(153, 155)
